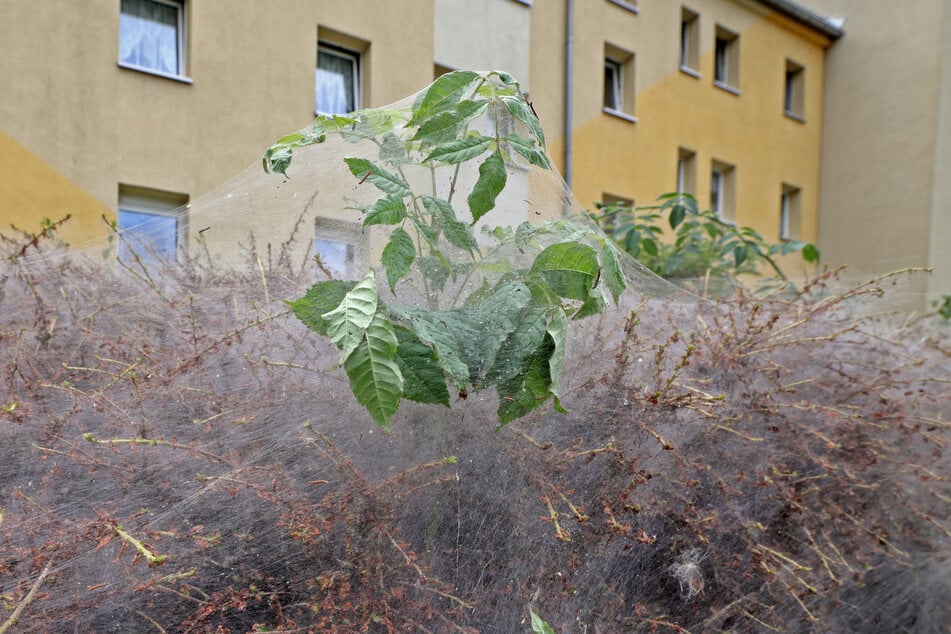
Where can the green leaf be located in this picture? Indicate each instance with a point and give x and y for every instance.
(487, 320)
(527, 148)
(611, 269)
(677, 215)
(523, 234)
(439, 128)
(529, 389)
(393, 150)
(538, 625)
(348, 321)
(518, 347)
(594, 304)
(321, 298)
(375, 377)
(384, 180)
(558, 331)
(389, 210)
(569, 268)
(398, 256)
(429, 234)
(278, 160)
(460, 151)
(442, 95)
(810, 253)
(649, 246)
(424, 380)
(436, 329)
(491, 182)
(457, 233)
(520, 110)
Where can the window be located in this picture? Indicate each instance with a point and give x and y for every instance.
(338, 245)
(610, 200)
(630, 5)
(794, 92)
(789, 218)
(726, 61)
(151, 36)
(619, 82)
(152, 223)
(689, 41)
(686, 171)
(722, 187)
(337, 81)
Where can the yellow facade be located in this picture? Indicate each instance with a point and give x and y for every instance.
(248, 78)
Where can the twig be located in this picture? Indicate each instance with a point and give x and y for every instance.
(152, 621)
(152, 558)
(27, 600)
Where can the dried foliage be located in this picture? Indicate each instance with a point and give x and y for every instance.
(180, 455)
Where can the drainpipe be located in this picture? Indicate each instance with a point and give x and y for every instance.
(569, 84)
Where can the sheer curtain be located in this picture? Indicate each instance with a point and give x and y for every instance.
(335, 83)
(148, 35)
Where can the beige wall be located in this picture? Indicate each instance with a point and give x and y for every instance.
(885, 189)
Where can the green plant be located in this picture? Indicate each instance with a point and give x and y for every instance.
(703, 244)
(508, 333)
(943, 307)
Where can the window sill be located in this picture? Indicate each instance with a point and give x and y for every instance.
(794, 116)
(527, 3)
(620, 115)
(686, 70)
(157, 73)
(626, 5)
(727, 88)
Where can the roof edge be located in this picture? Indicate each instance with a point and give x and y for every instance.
(806, 16)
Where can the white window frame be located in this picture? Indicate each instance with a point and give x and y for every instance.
(613, 75)
(723, 191)
(689, 41)
(794, 87)
(789, 213)
(686, 171)
(180, 36)
(355, 57)
(158, 204)
(619, 76)
(726, 60)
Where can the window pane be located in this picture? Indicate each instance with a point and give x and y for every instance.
(336, 83)
(333, 254)
(612, 85)
(148, 35)
(147, 235)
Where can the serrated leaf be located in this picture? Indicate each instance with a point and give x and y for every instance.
(457, 233)
(488, 319)
(424, 380)
(398, 256)
(347, 323)
(321, 298)
(518, 347)
(460, 151)
(277, 160)
(389, 210)
(520, 110)
(569, 268)
(492, 177)
(393, 150)
(611, 270)
(375, 377)
(430, 235)
(527, 148)
(442, 95)
(594, 304)
(440, 128)
(529, 389)
(384, 180)
(437, 330)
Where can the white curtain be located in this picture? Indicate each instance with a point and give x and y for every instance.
(148, 35)
(334, 84)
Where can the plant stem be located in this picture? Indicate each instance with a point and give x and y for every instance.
(27, 600)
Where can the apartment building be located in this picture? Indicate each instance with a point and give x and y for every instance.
(130, 108)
